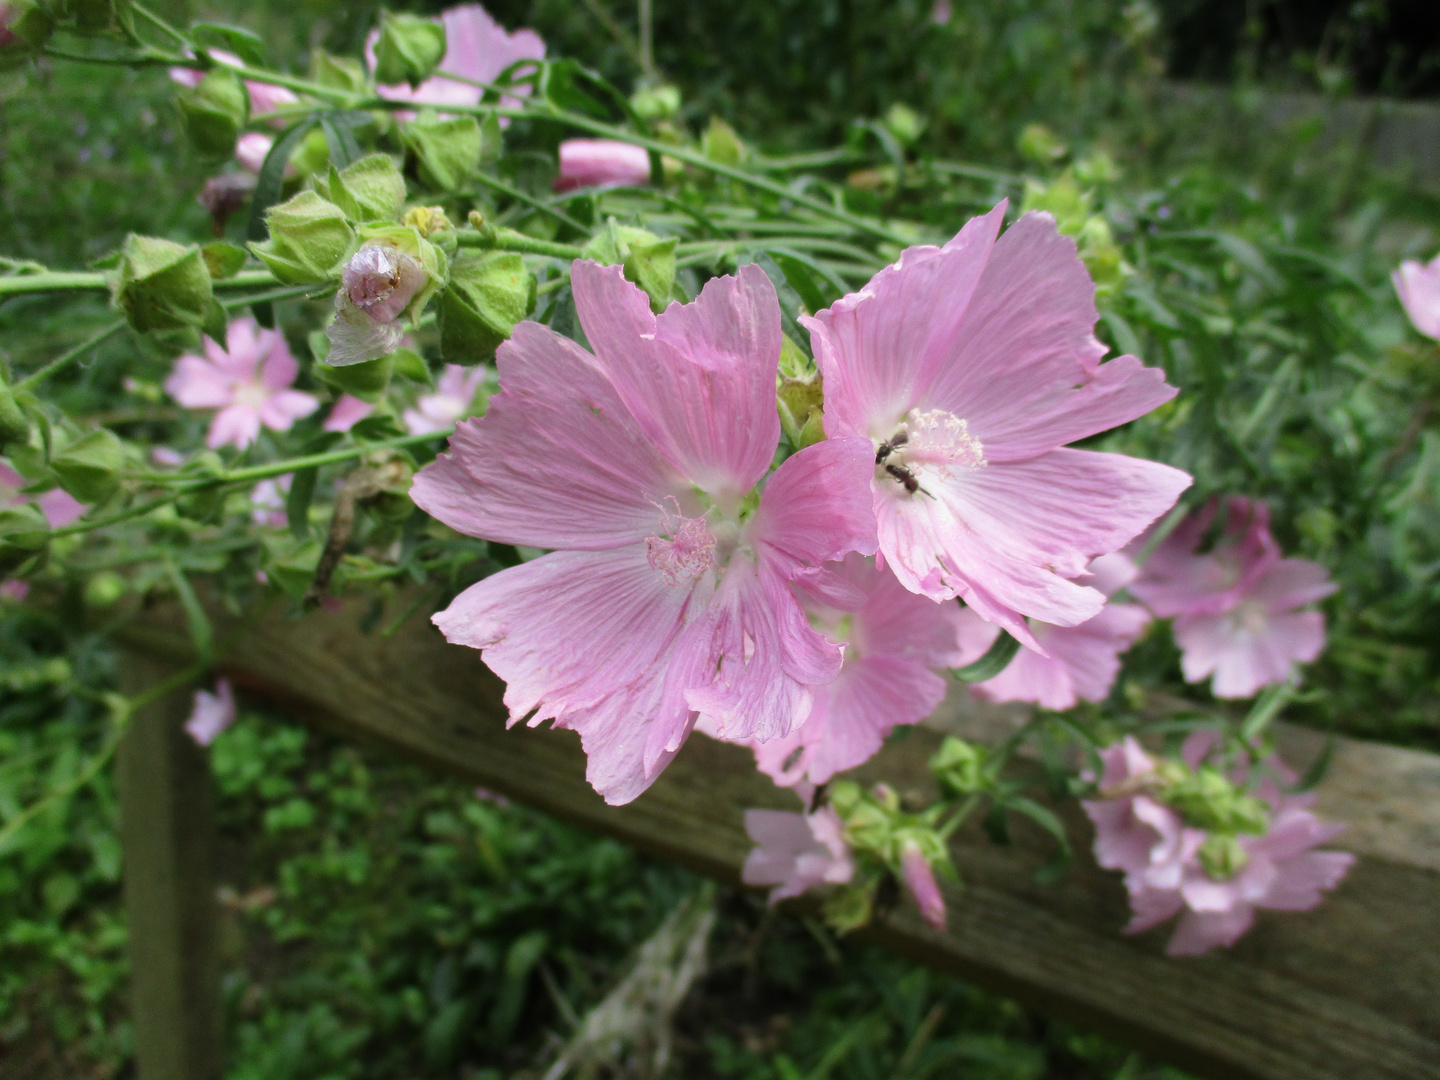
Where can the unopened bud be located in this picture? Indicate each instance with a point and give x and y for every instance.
(1223, 857)
(488, 294)
(89, 468)
(656, 102)
(24, 533)
(409, 50)
(959, 767)
(799, 403)
(394, 273)
(1039, 144)
(215, 111)
(904, 123)
(14, 426)
(160, 285)
(921, 883)
(339, 72)
(446, 149)
(309, 238)
(721, 144)
(427, 220)
(648, 260)
(104, 589)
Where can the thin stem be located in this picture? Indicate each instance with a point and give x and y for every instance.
(60, 363)
(160, 24)
(626, 42)
(149, 58)
(300, 86)
(647, 40)
(530, 200)
(94, 281)
(509, 240)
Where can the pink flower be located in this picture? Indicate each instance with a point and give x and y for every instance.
(1159, 854)
(1079, 663)
(267, 501)
(969, 367)
(893, 638)
(59, 507)
(166, 457)
(1419, 289)
(476, 48)
(941, 13)
(376, 287)
(346, 413)
(251, 150)
(601, 163)
(13, 590)
(249, 384)
(453, 398)
(920, 880)
(212, 713)
(796, 852)
(264, 98)
(1235, 607)
(7, 36)
(667, 591)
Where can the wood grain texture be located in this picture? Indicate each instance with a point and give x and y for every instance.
(1351, 990)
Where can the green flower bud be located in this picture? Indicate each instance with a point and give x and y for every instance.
(89, 468)
(104, 589)
(427, 220)
(14, 425)
(649, 260)
(656, 102)
(1223, 857)
(446, 150)
(309, 239)
(1039, 144)
(339, 72)
(25, 29)
(1062, 198)
(366, 380)
(409, 50)
(24, 532)
(489, 293)
(959, 767)
(849, 907)
(799, 402)
(215, 112)
(160, 285)
(370, 189)
(904, 123)
(720, 143)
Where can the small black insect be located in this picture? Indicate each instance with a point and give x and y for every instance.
(885, 449)
(905, 476)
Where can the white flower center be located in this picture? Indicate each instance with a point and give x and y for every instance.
(251, 394)
(927, 446)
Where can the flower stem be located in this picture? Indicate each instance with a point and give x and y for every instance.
(60, 363)
(94, 281)
(493, 239)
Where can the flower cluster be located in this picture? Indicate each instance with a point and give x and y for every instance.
(688, 583)
(1192, 843)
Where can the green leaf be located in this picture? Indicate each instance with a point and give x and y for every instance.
(340, 138)
(202, 634)
(797, 274)
(1267, 706)
(249, 46)
(271, 180)
(297, 502)
(995, 660)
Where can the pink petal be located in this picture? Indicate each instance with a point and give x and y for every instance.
(557, 461)
(346, 413)
(892, 621)
(281, 410)
(1150, 906)
(700, 379)
(1418, 287)
(60, 508)
(881, 348)
(251, 150)
(920, 881)
(279, 368)
(602, 163)
(1122, 841)
(237, 425)
(198, 384)
(1294, 831)
(1199, 932)
(211, 713)
(1292, 583)
(1082, 663)
(1301, 880)
(1244, 658)
(816, 507)
(245, 346)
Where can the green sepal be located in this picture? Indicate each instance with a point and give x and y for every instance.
(309, 240)
(339, 72)
(215, 112)
(648, 260)
(446, 149)
(24, 533)
(721, 144)
(223, 260)
(411, 365)
(800, 403)
(409, 49)
(217, 322)
(489, 293)
(14, 425)
(366, 381)
(290, 566)
(370, 189)
(89, 468)
(161, 285)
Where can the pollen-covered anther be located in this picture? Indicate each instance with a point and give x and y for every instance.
(942, 439)
(682, 549)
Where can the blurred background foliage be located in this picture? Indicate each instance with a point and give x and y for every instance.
(381, 923)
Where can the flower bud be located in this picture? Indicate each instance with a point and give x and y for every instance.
(850, 907)
(24, 532)
(1039, 144)
(370, 189)
(309, 238)
(721, 144)
(14, 425)
(601, 163)
(920, 881)
(799, 401)
(904, 123)
(104, 589)
(25, 27)
(446, 149)
(488, 294)
(215, 111)
(409, 50)
(394, 273)
(339, 72)
(1223, 857)
(656, 102)
(89, 468)
(160, 285)
(959, 767)
(427, 220)
(648, 260)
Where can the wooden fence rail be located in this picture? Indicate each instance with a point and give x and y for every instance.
(1349, 991)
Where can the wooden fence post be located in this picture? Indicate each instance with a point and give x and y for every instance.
(167, 829)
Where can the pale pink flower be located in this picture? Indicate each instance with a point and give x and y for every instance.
(249, 383)
(346, 413)
(1235, 606)
(211, 713)
(477, 48)
(920, 881)
(14, 590)
(601, 163)
(796, 852)
(1418, 285)
(267, 501)
(59, 507)
(941, 13)
(893, 639)
(667, 593)
(251, 150)
(376, 287)
(454, 398)
(1079, 663)
(970, 367)
(166, 457)
(1159, 854)
(264, 98)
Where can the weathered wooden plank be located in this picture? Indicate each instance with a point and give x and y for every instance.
(167, 831)
(1350, 990)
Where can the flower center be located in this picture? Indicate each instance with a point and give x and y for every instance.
(682, 548)
(927, 446)
(1251, 618)
(251, 394)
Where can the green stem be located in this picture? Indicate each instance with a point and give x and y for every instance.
(149, 58)
(94, 281)
(60, 363)
(530, 200)
(492, 239)
(160, 24)
(334, 96)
